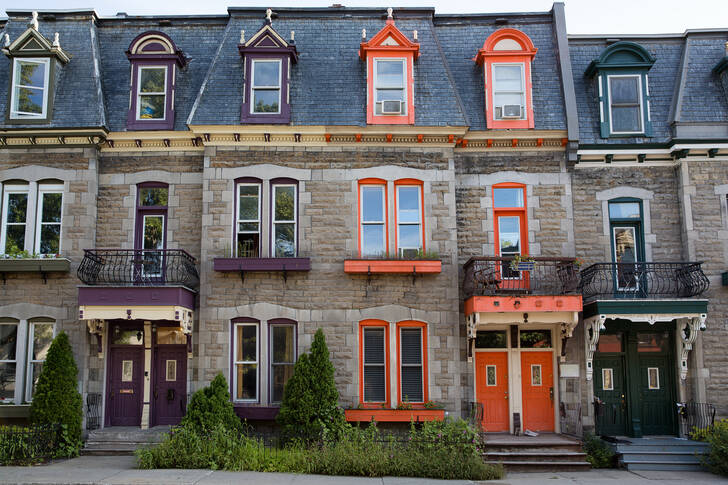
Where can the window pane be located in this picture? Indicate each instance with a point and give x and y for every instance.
(8, 339)
(15, 239)
(626, 118)
(248, 226)
(491, 339)
(29, 100)
(151, 106)
(42, 338)
(509, 232)
(372, 239)
(409, 236)
(372, 204)
(390, 74)
(285, 202)
(610, 343)
(127, 337)
(248, 206)
(17, 207)
(508, 198)
(624, 244)
(508, 78)
(170, 336)
(52, 207)
(412, 384)
(153, 232)
(374, 382)
(624, 90)
(266, 73)
(281, 374)
(374, 346)
(389, 95)
(265, 100)
(535, 339)
(409, 204)
(247, 348)
(247, 380)
(283, 345)
(248, 245)
(411, 343)
(149, 197)
(653, 342)
(285, 240)
(35, 369)
(624, 210)
(50, 238)
(7, 381)
(32, 74)
(249, 190)
(152, 80)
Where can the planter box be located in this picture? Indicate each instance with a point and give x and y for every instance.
(366, 266)
(257, 413)
(261, 264)
(40, 265)
(15, 411)
(394, 415)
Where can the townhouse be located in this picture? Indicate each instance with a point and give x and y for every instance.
(453, 199)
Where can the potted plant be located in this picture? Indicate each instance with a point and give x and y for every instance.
(522, 263)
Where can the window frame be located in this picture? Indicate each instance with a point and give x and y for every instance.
(409, 324)
(18, 349)
(522, 93)
(279, 322)
(421, 200)
(42, 190)
(252, 89)
(245, 322)
(382, 184)
(29, 355)
(404, 88)
(363, 325)
(641, 104)
(238, 221)
(7, 190)
(521, 212)
(16, 115)
(274, 184)
(166, 92)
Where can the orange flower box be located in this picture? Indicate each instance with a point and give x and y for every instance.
(394, 415)
(401, 266)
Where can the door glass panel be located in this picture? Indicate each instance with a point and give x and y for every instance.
(610, 343)
(491, 376)
(535, 374)
(607, 380)
(170, 336)
(491, 339)
(127, 370)
(171, 374)
(535, 339)
(127, 337)
(653, 377)
(653, 342)
(505, 198)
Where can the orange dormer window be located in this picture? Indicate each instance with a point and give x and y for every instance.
(506, 59)
(390, 81)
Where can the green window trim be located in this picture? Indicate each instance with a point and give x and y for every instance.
(637, 223)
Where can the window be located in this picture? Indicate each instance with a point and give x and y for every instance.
(29, 94)
(373, 218)
(151, 93)
(409, 220)
(412, 348)
(266, 86)
(248, 221)
(625, 221)
(511, 235)
(535, 339)
(48, 235)
(40, 336)
(389, 87)
(284, 220)
(374, 353)
(8, 359)
(625, 104)
(20, 231)
(24, 345)
(245, 362)
(15, 218)
(151, 227)
(509, 97)
(282, 357)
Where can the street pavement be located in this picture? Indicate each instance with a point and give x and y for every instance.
(114, 470)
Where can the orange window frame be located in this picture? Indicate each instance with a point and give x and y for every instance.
(409, 117)
(412, 183)
(425, 386)
(376, 182)
(374, 324)
(521, 212)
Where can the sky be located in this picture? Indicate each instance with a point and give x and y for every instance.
(582, 16)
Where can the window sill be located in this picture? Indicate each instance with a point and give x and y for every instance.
(366, 266)
(17, 411)
(394, 415)
(234, 265)
(34, 265)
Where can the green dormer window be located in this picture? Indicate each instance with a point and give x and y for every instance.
(621, 75)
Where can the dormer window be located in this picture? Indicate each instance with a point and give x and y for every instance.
(154, 62)
(267, 60)
(622, 88)
(29, 97)
(389, 57)
(506, 59)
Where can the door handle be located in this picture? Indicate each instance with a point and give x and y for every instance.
(551, 395)
(155, 394)
(506, 394)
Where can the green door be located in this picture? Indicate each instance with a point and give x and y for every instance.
(656, 383)
(610, 389)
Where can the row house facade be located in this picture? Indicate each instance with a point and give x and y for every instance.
(478, 210)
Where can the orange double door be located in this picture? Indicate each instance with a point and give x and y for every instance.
(536, 396)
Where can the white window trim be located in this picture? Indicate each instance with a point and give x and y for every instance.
(238, 362)
(405, 103)
(18, 350)
(274, 221)
(253, 87)
(400, 247)
(7, 190)
(29, 359)
(641, 104)
(520, 244)
(271, 326)
(139, 93)
(47, 189)
(239, 221)
(383, 222)
(383, 365)
(421, 365)
(495, 91)
(14, 113)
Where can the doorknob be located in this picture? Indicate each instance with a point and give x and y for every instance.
(551, 395)
(506, 394)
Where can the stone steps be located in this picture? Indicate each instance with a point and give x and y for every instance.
(120, 441)
(545, 453)
(666, 454)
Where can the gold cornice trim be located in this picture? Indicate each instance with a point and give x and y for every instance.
(58, 138)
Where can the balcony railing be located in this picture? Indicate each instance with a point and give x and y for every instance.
(608, 281)
(489, 276)
(131, 267)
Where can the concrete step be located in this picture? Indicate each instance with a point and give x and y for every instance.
(531, 456)
(664, 456)
(688, 448)
(662, 466)
(542, 466)
(528, 447)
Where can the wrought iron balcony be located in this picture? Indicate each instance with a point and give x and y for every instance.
(491, 276)
(609, 281)
(130, 267)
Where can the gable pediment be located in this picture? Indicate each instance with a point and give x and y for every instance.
(390, 41)
(390, 37)
(33, 43)
(267, 40)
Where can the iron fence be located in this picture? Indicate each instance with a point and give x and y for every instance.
(475, 414)
(27, 444)
(606, 281)
(694, 416)
(570, 418)
(488, 276)
(606, 416)
(93, 410)
(131, 267)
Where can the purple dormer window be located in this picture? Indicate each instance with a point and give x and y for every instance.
(154, 62)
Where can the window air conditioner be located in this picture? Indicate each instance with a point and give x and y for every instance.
(392, 107)
(511, 111)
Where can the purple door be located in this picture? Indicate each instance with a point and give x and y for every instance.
(169, 394)
(126, 386)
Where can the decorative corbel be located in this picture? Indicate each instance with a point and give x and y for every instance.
(592, 327)
(688, 329)
(96, 327)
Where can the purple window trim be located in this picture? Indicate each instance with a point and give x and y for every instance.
(282, 181)
(142, 210)
(281, 322)
(233, 321)
(285, 108)
(246, 180)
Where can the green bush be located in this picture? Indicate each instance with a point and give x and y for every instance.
(27, 446)
(310, 400)
(56, 399)
(717, 457)
(598, 453)
(210, 407)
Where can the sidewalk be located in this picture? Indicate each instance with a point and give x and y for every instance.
(121, 470)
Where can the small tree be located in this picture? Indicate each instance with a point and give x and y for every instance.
(310, 399)
(56, 399)
(211, 407)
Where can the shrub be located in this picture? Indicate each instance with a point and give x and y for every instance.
(598, 453)
(717, 457)
(27, 445)
(310, 399)
(56, 399)
(210, 407)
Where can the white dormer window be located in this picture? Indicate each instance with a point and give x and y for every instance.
(509, 94)
(390, 89)
(266, 86)
(29, 95)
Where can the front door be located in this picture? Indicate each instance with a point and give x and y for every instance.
(655, 383)
(491, 384)
(537, 383)
(610, 389)
(169, 396)
(125, 385)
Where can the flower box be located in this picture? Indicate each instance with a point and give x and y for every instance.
(366, 266)
(35, 265)
(261, 264)
(394, 415)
